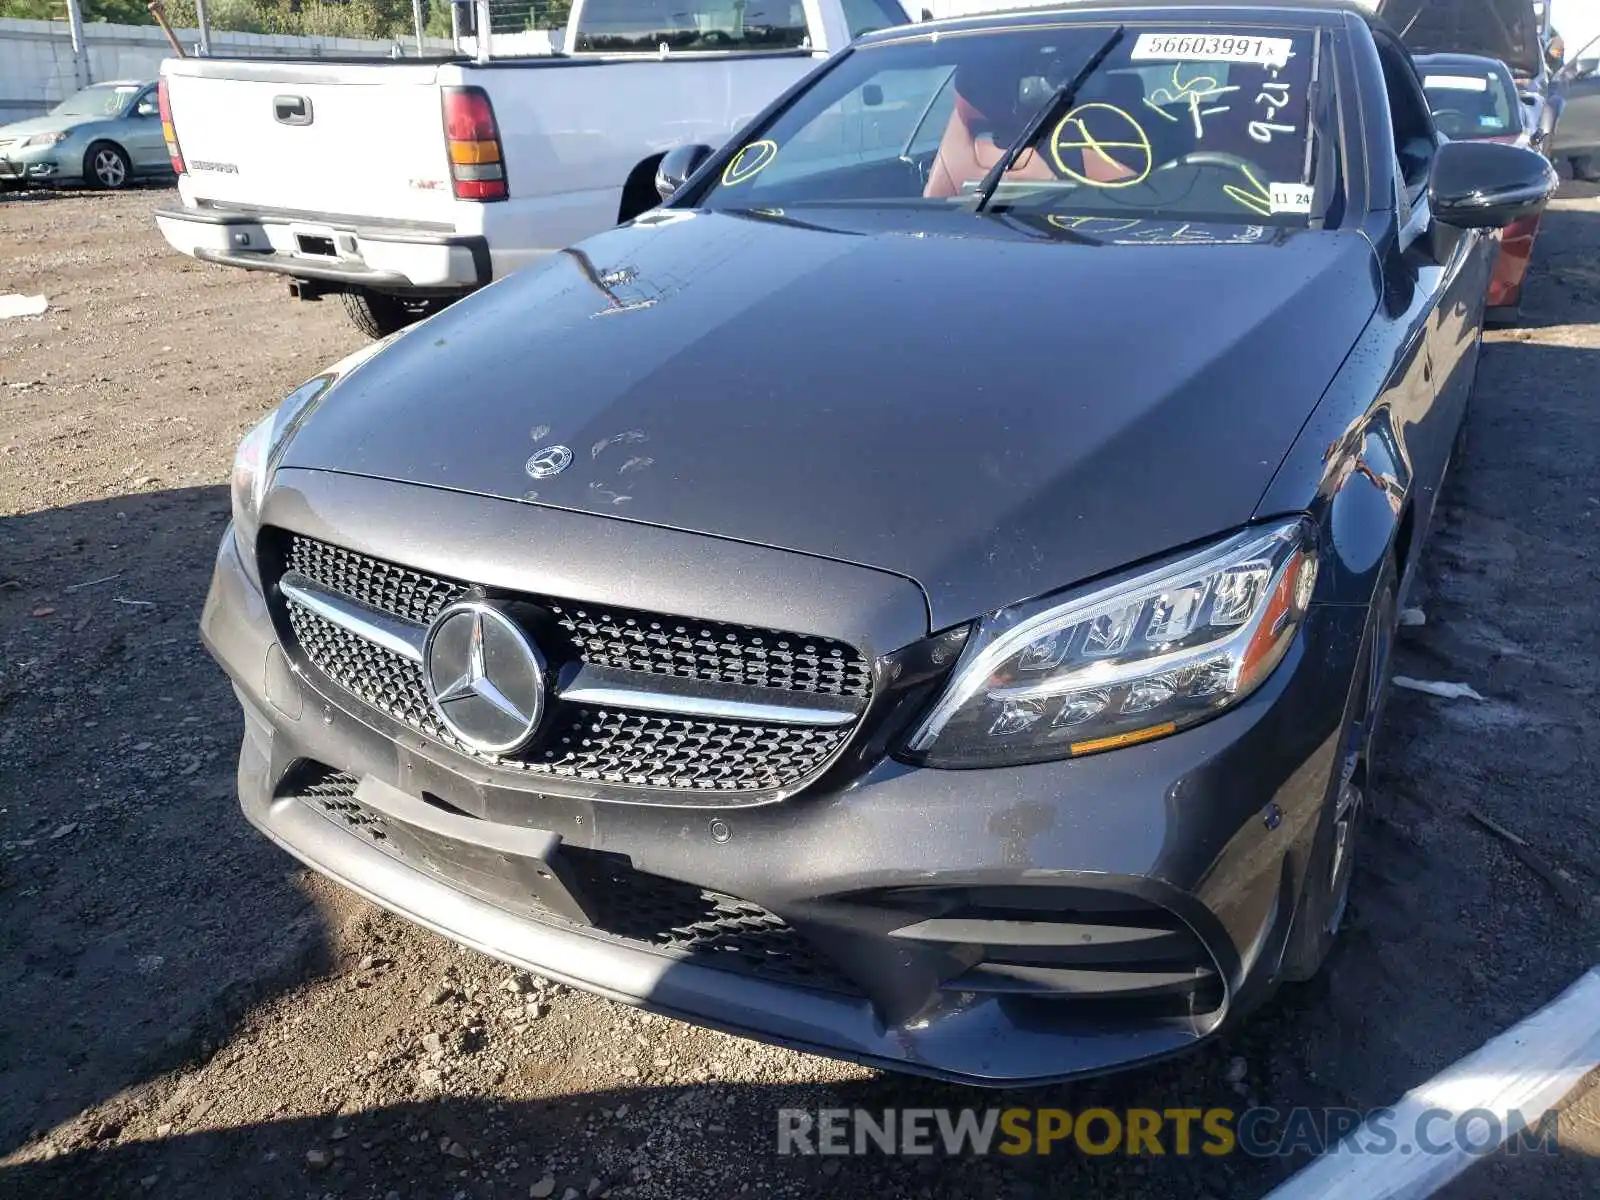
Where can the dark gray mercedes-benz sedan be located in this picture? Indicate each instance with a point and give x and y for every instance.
(922, 594)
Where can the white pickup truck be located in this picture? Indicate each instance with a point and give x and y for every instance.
(404, 184)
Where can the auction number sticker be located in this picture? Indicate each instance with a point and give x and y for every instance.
(1210, 47)
(1290, 197)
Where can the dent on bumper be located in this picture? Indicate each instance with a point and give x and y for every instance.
(1212, 824)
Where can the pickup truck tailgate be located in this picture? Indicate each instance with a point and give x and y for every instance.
(327, 137)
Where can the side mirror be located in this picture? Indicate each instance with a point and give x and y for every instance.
(680, 163)
(1488, 185)
(927, 14)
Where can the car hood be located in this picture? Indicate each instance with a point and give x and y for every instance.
(992, 409)
(38, 125)
(1503, 29)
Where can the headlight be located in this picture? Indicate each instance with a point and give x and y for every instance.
(262, 448)
(1128, 661)
(44, 139)
(258, 456)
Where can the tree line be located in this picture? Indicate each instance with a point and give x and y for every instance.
(306, 18)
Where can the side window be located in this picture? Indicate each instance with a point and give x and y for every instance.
(1414, 139)
(864, 16)
(147, 105)
(644, 26)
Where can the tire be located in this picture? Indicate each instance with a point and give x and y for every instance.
(106, 165)
(378, 314)
(1330, 868)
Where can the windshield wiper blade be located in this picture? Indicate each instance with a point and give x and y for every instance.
(1052, 109)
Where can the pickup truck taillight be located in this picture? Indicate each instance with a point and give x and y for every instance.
(472, 139)
(167, 130)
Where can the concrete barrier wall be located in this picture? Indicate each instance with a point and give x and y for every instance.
(37, 68)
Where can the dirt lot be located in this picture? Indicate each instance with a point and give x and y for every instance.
(189, 1014)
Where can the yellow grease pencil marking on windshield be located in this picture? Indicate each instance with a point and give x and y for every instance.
(1123, 225)
(1089, 143)
(1258, 201)
(739, 170)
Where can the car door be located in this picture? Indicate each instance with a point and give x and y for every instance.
(140, 133)
(1578, 132)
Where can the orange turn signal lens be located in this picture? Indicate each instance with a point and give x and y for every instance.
(472, 153)
(1131, 738)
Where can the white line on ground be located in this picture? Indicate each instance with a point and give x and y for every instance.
(1522, 1073)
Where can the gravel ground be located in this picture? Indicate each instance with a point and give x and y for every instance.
(190, 1014)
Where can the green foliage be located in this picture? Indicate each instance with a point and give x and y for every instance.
(328, 18)
(116, 12)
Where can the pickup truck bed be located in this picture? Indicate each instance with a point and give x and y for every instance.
(342, 175)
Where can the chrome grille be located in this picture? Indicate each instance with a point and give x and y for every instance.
(616, 745)
(626, 639)
(398, 591)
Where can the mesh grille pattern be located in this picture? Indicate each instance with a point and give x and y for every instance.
(602, 745)
(608, 637)
(712, 652)
(631, 907)
(399, 591)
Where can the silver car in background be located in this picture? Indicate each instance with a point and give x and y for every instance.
(106, 136)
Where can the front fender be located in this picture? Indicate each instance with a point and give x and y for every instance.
(1350, 470)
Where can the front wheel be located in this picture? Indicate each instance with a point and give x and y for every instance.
(1330, 868)
(106, 164)
(378, 314)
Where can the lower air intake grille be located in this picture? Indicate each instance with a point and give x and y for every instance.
(632, 907)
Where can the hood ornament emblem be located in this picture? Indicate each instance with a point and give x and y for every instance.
(552, 460)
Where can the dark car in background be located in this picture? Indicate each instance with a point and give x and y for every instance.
(1475, 99)
(1508, 31)
(924, 593)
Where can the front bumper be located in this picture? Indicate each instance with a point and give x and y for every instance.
(1212, 826)
(38, 165)
(387, 258)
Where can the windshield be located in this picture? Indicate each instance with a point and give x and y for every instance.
(652, 26)
(1471, 104)
(101, 100)
(1212, 126)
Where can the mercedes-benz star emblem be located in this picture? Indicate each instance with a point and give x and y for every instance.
(552, 460)
(484, 677)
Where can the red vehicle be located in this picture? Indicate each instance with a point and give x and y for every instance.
(1475, 98)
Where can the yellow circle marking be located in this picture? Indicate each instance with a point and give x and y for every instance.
(749, 162)
(1114, 123)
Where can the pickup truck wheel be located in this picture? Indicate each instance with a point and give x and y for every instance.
(106, 164)
(378, 315)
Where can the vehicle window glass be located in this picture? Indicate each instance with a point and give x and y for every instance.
(101, 100)
(1412, 122)
(1470, 104)
(147, 106)
(894, 112)
(1205, 127)
(644, 26)
(864, 16)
